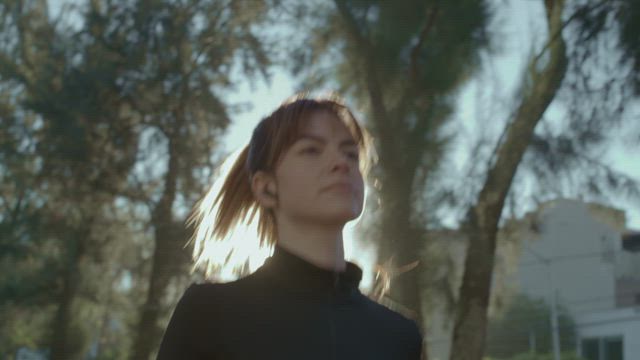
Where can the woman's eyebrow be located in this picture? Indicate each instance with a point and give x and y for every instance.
(345, 142)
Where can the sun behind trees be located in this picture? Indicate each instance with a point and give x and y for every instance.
(121, 109)
(112, 116)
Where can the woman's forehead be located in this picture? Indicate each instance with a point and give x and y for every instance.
(323, 123)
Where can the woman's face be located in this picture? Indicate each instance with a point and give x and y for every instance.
(318, 178)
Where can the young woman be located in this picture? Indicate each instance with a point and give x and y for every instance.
(303, 173)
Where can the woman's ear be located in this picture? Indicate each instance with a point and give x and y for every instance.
(263, 186)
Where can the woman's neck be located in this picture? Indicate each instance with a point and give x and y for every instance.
(319, 245)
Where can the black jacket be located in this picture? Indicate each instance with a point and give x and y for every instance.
(287, 309)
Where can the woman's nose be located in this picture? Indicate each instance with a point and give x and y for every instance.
(340, 160)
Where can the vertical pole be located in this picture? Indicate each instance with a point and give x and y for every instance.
(554, 315)
(553, 299)
(532, 341)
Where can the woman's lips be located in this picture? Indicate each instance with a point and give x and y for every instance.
(342, 187)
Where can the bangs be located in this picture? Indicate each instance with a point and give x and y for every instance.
(280, 130)
(296, 115)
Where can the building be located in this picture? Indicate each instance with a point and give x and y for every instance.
(578, 254)
(588, 261)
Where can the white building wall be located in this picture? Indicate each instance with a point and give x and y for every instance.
(581, 240)
(580, 251)
(619, 322)
(448, 249)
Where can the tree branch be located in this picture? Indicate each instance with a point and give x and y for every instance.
(482, 219)
(558, 32)
(376, 97)
(413, 58)
(416, 133)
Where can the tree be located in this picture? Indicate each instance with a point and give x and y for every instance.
(190, 48)
(25, 284)
(65, 95)
(375, 72)
(130, 85)
(482, 220)
(399, 62)
(541, 84)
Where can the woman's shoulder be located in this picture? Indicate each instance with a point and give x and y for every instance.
(200, 289)
(210, 291)
(396, 326)
(393, 319)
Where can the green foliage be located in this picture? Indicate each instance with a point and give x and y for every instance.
(510, 334)
(598, 95)
(629, 39)
(400, 62)
(433, 43)
(22, 326)
(614, 23)
(569, 355)
(92, 110)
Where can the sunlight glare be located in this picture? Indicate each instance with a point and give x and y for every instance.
(240, 253)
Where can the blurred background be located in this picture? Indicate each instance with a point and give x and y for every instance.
(505, 205)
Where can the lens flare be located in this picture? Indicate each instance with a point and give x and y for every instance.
(240, 252)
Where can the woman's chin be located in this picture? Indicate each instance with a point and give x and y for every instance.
(342, 216)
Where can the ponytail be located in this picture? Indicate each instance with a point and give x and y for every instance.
(228, 207)
(225, 216)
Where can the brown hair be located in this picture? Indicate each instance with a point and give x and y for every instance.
(271, 138)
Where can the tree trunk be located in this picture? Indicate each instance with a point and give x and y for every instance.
(60, 346)
(399, 242)
(169, 240)
(482, 220)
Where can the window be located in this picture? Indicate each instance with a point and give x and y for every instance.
(613, 349)
(591, 349)
(606, 348)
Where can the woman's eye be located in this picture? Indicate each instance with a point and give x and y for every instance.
(310, 150)
(353, 155)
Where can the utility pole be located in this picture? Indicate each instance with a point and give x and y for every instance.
(553, 299)
(532, 341)
(554, 315)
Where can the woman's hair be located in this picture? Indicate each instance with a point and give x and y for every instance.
(233, 202)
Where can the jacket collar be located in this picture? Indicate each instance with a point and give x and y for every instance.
(296, 273)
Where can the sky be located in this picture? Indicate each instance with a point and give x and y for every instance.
(516, 21)
(504, 72)
(480, 108)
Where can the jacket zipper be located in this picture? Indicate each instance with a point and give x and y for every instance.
(332, 324)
